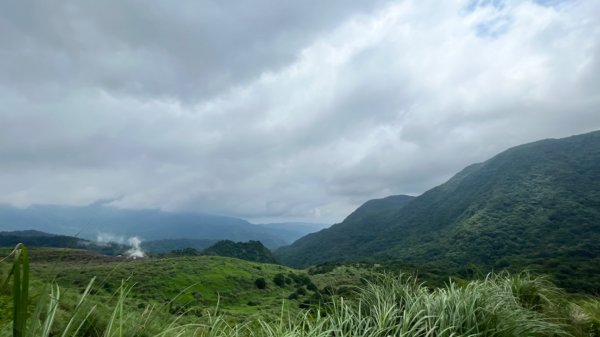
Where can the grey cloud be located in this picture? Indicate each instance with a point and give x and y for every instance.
(184, 51)
(283, 111)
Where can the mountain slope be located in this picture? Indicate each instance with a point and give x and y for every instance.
(359, 227)
(535, 205)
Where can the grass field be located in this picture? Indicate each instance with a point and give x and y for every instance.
(218, 297)
(192, 287)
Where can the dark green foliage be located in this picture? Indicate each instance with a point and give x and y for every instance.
(301, 279)
(312, 287)
(169, 245)
(260, 283)
(185, 252)
(535, 206)
(279, 280)
(323, 268)
(249, 251)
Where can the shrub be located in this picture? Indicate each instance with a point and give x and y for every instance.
(260, 283)
(279, 280)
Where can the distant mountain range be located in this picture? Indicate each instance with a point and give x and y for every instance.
(99, 221)
(33, 238)
(533, 206)
(251, 251)
(292, 231)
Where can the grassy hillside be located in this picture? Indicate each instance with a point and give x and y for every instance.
(386, 305)
(205, 279)
(535, 205)
(192, 286)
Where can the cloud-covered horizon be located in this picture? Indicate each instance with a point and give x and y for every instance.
(280, 111)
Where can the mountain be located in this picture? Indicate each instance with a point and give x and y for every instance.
(38, 239)
(249, 251)
(533, 206)
(33, 238)
(91, 221)
(292, 231)
(169, 245)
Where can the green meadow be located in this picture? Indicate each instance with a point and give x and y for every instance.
(57, 292)
(189, 288)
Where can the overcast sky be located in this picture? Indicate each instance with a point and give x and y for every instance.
(280, 110)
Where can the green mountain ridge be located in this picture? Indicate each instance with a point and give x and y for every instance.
(533, 206)
(250, 251)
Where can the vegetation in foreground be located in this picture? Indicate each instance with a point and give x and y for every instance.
(499, 305)
(190, 285)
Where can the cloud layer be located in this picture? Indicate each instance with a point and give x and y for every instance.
(286, 111)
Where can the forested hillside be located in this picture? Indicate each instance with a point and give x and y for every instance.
(249, 251)
(533, 206)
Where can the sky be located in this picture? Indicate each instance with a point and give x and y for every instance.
(280, 110)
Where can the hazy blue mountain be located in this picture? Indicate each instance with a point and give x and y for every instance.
(536, 205)
(292, 231)
(90, 221)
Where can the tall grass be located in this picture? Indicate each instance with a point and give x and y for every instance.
(20, 289)
(392, 305)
